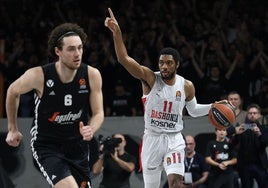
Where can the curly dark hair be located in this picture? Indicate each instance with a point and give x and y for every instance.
(61, 31)
(171, 51)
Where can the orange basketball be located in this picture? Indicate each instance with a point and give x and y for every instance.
(221, 115)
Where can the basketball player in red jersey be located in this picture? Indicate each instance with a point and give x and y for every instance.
(65, 92)
(165, 94)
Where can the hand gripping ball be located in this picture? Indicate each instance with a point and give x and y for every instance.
(221, 115)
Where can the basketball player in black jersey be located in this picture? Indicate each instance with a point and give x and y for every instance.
(67, 92)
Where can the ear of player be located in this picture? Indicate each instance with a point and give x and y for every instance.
(222, 115)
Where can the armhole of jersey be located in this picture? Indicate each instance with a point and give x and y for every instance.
(44, 69)
(85, 67)
(154, 85)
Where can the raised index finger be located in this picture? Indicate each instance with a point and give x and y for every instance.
(111, 13)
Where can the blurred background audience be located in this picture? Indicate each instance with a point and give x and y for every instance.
(223, 37)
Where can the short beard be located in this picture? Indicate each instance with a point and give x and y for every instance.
(169, 77)
(69, 66)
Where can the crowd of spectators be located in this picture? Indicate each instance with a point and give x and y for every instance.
(223, 43)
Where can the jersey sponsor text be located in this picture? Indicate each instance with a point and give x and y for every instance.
(56, 117)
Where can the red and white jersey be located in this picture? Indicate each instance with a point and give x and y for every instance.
(163, 106)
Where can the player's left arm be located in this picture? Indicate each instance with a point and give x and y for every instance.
(194, 109)
(189, 90)
(96, 99)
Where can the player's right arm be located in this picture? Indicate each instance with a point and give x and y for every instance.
(32, 79)
(133, 67)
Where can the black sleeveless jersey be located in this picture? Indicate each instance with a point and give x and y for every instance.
(61, 107)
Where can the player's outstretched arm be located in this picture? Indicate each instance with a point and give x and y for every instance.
(193, 108)
(133, 67)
